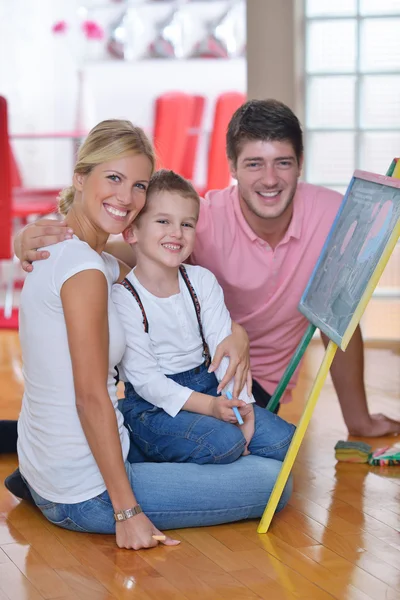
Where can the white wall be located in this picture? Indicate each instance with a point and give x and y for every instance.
(38, 76)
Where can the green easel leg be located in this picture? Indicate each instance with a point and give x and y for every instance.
(390, 170)
(292, 366)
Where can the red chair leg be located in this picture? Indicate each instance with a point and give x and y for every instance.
(218, 176)
(173, 117)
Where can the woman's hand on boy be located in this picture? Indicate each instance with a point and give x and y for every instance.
(137, 533)
(237, 348)
(44, 232)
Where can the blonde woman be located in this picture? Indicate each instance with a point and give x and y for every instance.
(72, 444)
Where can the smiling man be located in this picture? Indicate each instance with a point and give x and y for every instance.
(262, 238)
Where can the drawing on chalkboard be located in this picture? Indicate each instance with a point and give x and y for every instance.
(359, 235)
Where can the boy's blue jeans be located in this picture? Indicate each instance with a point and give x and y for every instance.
(192, 437)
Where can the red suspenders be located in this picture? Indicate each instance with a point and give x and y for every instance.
(128, 286)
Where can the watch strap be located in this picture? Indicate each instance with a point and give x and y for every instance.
(124, 515)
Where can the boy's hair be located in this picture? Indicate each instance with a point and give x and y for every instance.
(169, 181)
(265, 120)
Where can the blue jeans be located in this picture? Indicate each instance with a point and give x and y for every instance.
(192, 437)
(179, 495)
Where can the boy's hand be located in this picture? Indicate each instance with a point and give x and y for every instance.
(44, 232)
(222, 408)
(247, 428)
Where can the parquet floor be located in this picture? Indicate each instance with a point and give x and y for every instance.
(338, 538)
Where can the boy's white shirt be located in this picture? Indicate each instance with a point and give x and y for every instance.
(173, 343)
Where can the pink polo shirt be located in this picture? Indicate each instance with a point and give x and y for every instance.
(262, 286)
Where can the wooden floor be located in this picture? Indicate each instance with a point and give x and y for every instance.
(338, 538)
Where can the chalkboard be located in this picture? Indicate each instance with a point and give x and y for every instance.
(364, 232)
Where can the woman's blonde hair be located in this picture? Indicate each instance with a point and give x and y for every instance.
(108, 140)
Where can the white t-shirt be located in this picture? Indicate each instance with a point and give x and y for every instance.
(53, 452)
(173, 343)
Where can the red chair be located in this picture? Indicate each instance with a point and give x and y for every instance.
(29, 201)
(218, 175)
(172, 122)
(192, 141)
(5, 186)
(8, 315)
(16, 181)
(15, 203)
(33, 202)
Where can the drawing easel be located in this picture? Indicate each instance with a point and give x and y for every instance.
(352, 260)
(393, 171)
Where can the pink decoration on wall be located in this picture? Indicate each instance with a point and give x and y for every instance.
(60, 27)
(92, 30)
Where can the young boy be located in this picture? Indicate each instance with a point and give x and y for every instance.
(174, 317)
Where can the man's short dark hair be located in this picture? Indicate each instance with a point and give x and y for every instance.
(264, 120)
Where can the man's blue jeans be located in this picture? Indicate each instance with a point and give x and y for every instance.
(191, 437)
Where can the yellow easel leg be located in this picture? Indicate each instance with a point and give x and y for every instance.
(297, 439)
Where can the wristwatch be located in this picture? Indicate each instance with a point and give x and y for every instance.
(123, 515)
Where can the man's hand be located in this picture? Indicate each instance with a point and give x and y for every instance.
(377, 426)
(44, 232)
(222, 408)
(237, 348)
(137, 532)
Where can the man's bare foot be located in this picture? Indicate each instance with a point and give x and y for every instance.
(378, 426)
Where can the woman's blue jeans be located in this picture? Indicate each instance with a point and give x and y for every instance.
(192, 437)
(175, 495)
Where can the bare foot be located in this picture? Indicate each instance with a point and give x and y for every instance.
(378, 426)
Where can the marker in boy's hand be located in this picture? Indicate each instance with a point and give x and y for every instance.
(247, 425)
(235, 410)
